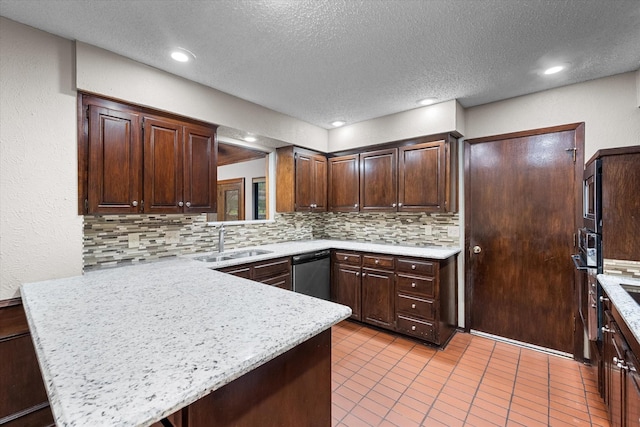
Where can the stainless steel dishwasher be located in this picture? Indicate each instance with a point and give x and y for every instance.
(311, 274)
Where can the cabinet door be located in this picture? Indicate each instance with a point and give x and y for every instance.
(200, 169)
(115, 162)
(421, 177)
(378, 180)
(163, 172)
(345, 287)
(632, 392)
(319, 183)
(303, 182)
(344, 184)
(377, 297)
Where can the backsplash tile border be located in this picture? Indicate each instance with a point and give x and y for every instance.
(618, 267)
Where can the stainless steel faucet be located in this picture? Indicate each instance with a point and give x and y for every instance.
(221, 238)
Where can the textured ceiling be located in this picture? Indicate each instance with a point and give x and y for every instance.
(321, 60)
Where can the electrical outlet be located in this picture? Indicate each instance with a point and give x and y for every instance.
(453, 231)
(134, 240)
(172, 236)
(428, 230)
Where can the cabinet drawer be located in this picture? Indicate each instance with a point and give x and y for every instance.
(347, 258)
(417, 266)
(424, 308)
(271, 268)
(238, 270)
(378, 261)
(424, 286)
(417, 328)
(282, 281)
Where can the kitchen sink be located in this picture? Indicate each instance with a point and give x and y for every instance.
(231, 255)
(633, 291)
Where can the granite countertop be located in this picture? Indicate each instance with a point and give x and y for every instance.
(626, 306)
(128, 346)
(304, 246)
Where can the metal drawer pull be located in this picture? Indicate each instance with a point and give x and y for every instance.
(603, 299)
(413, 285)
(377, 261)
(413, 266)
(413, 327)
(605, 329)
(413, 306)
(134, 203)
(180, 204)
(357, 273)
(346, 258)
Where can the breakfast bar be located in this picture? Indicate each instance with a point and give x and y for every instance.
(130, 346)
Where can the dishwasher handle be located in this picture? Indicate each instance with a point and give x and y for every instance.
(312, 256)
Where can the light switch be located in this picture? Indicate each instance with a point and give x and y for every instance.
(134, 240)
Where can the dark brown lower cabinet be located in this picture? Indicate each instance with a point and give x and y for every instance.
(412, 296)
(274, 272)
(348, 292)
(620, 364)
(23, 399)
(377, 297)
(293, 389)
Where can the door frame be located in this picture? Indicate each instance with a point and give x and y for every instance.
(578, 340)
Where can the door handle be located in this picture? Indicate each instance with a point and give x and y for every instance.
(477, 249)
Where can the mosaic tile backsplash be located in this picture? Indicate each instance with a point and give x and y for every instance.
(125, 239)
(618, 267)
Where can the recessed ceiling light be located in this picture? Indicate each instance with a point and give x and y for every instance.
(427, 101)
(182, 55)
(338, 123)
(554, 70)
(250, 138)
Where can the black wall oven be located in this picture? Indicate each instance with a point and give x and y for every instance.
(592, 196)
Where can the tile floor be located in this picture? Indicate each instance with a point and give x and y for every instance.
(381, 379)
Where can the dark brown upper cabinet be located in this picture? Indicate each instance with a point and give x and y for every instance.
(135, 160)
(301, 180)
(417, 175)
(344, 183)
(379, 180)
(115, 154)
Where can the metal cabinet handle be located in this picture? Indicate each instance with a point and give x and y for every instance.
(399, 205)
(413, 306)
(413, 284)
(605, 329)
(377, 261)
(393, 205)
(603, 299)
(180, 204)
(413, 327)
(355, 206)
(134, 203)
(364, 274)
(413, 266)
(346, 258)
(357, 273)
(188, 204)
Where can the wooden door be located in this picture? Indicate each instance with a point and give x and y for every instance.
(319, 183)
(200, 169)
(115, 161)
(346, 287)
(378, 297)
(378, 180)
(522, 201)
(421, 177)
(344, 184)
(231, 200)
(163, 161)
(303, 182)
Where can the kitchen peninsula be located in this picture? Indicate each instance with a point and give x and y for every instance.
(132, 345)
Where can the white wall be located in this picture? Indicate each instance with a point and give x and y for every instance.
(608, 106)
(103, 72)
(247, 170)
(40, 231)
(429, 120)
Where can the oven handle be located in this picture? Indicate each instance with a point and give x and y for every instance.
(577, 261)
